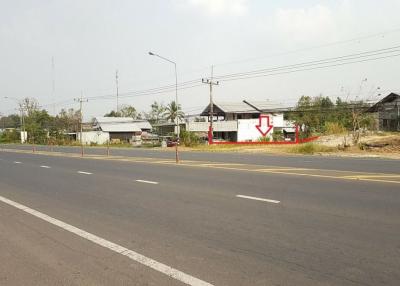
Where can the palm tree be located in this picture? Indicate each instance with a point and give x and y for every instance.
(172, 110)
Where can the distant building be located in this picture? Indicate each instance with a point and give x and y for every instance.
(116, 129)
(236, 121)
(387, 113)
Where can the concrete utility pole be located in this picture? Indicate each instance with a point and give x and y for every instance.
(211, 82)
(53, 83)
(81, 100)
(116, 83)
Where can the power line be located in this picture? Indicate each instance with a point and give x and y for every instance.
(309, 69)
(306, 66)
(356, 39)
(315, 62)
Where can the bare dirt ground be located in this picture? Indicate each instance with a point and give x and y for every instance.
(385, 145)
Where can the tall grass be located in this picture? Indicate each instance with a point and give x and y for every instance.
(311, 148)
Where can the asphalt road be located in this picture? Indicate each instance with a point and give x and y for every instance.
(304, 231)
(312, 161)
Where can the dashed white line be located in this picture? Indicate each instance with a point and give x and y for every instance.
(17, 162)
(84, 173)
(258, 199)
(147, 182)
(137, 257)
(45, 167)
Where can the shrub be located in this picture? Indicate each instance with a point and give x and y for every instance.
(10, 136)
(334, 128)
(189, 138)
(264, 139)
(277, 136)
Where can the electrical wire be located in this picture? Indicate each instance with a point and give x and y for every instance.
(314, 62)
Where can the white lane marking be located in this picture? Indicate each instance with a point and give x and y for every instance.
(84, 173)
(17, 162)
(158, 266)
(45, 167)
(147, 182)
(258, 199)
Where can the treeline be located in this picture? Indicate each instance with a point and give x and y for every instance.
(319, 115)
(43, 128)
(158, 112)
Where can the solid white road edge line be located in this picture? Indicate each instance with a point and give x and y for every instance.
(147, 182)
(160, 267)
(84, 173)
(44, 166)
(258, 199)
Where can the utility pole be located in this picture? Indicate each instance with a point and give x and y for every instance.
(53, 83)
(81, 100)
(116, 82)
(21, 109)
(211, 82)
(176, 102)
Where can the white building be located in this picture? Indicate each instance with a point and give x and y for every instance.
(116, 129)
(243, 121)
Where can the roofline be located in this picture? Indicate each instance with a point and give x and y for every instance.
(374, 107)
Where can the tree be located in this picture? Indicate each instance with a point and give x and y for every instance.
(172, 111)
(37, 123)
(125, 111)
(129, 111)
(156, 113)
(112, 113)
(10, 121)
(30, 105)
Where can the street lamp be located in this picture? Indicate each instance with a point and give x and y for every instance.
(176, 101)
(22, 122)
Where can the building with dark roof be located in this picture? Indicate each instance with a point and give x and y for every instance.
(387, 112)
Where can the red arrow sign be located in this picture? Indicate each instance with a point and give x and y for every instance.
(263, 126)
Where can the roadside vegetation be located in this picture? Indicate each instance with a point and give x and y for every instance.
(43, 128)
(342, 127)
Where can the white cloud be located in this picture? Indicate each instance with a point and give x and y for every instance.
(305, 25)
(219, 7)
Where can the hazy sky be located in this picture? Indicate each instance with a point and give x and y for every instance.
(90, 39)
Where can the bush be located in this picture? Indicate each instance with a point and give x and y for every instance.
(334, 128)
(277, 136)
(189, 138)
(264, 139)
(12, 136)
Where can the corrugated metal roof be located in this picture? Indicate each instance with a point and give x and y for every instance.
(266, 105)
(102, 119)
(143, 124)
(246, 107)
(231, 107)
(120, 127)
(389, 98)
(120, 124)
(235, 107)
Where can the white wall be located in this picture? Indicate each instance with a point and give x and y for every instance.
(218, 126)
(247, 130)
(98, 137)
(24, 136)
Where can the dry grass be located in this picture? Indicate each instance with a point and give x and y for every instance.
(308, 148)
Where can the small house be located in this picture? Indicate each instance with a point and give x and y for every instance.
(387, 113)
